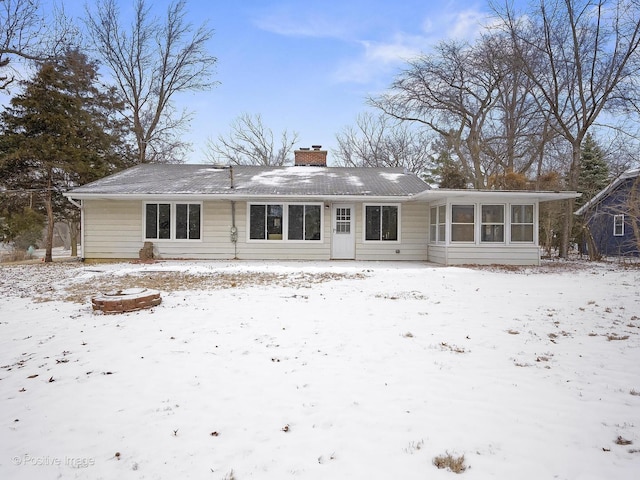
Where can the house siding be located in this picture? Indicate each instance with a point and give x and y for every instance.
(114, 229)
(413, 236)
(600, 220)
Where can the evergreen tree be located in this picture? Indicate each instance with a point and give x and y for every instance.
(62, 130)
(593, 177)
(594, 171)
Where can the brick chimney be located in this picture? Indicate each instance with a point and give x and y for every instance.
(311, 157)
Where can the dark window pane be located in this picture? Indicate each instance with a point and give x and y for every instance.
(151, 221)
(312, 222)
(274, 222)
(373, 215)
(462, 214)
(164, 220)
(296, 222)
(389, 223)
(492, 213)
(522, 233)
(492, 233)
(181, 220)
(257, 222)
(462, 233)
(194, 222)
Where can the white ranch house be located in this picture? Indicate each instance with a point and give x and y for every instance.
(305, 212)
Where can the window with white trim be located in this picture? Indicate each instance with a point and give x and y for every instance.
(522, 223)
(172, 221)
(381, 223)
(462, 223)
(304, 222)
(618, 225)
(492, 227)
(279, 221)
(437, 223)
(433, 224)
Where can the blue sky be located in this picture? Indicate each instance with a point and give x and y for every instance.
(308, 66)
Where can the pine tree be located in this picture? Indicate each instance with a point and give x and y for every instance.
(593, 177)
(62, 130)
(594, 171)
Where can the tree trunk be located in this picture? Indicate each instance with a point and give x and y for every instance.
(73, 234)
(572, 184)
(48, 256)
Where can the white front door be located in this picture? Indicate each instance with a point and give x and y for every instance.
(343, 244)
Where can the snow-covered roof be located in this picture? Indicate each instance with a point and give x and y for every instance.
(253, 181)
(633, 173)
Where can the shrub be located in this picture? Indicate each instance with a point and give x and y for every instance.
(448, 461)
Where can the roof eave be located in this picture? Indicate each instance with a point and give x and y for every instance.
(540, 196)
(237, 197)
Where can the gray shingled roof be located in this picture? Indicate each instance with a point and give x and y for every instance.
(189, 179)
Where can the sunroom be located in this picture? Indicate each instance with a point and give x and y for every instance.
(485, 227)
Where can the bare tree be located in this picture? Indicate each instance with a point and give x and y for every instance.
(151, 62)
(26, 33)
(577, 54)
(251, 143)
(476, 99)
(382, 141)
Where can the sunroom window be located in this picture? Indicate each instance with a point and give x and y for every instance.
(522, 223)
(437, 222)
(492, 228)
(462, 223)
(381, 222)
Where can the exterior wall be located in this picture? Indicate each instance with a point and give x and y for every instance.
(448, 252)
(114, 229)
(600, 221)
(280, 250)
(483, 255)
(413, 236)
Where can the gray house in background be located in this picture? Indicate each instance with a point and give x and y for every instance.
(613, 216)
(305, 212)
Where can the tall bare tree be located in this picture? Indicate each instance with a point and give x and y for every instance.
(28, 33)
(152, 62)
(250, 142)
(382, 141)
(578, 54)
(475, 98)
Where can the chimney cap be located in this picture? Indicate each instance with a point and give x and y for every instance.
(316, 147)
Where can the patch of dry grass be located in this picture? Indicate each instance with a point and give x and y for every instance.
(614, 336)
(451, 463)
(180, 281)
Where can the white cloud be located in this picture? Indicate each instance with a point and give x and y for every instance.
(381, 56)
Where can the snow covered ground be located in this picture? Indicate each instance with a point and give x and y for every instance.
(274, 370)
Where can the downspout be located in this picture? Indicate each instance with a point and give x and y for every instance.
(80, 206)
(234, 229)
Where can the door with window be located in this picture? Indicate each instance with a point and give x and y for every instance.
(343, 239)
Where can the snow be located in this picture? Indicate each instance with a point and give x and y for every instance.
(319, 370)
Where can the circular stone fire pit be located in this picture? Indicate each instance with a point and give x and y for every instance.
(129, 300)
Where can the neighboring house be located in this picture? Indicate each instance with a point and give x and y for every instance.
(308, 211)
(613, 216)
